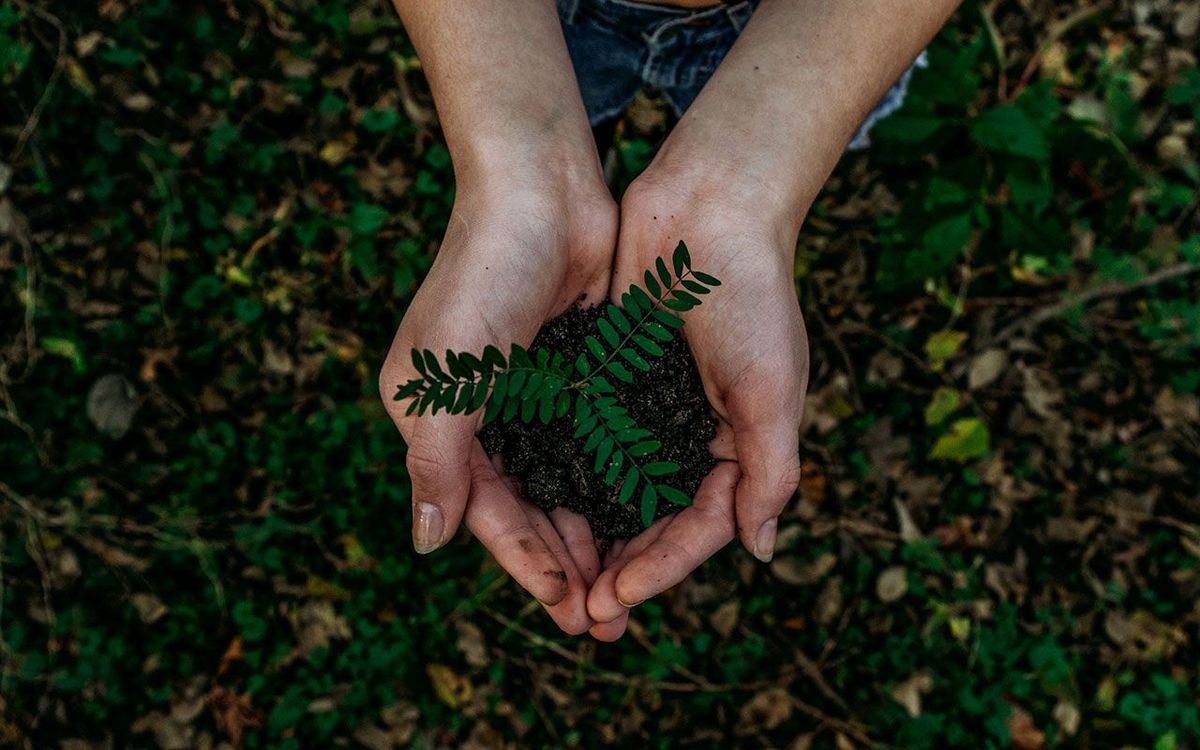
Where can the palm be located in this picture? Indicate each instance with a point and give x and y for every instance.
(499, 275)
(751, 350)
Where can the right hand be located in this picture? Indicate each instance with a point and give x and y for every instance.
(519, 250)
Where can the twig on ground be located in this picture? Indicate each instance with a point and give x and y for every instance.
(832, 333)
(1057, 31)
(60, 64)
(1115, 289)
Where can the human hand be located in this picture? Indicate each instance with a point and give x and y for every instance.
(750, 346)
(521, 247)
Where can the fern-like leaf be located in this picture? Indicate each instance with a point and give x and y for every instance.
(523, 384)
(629, 336)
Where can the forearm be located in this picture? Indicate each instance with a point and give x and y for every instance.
(503, 84)
(792, 91)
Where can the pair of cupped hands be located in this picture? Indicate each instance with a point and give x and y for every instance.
(526, 241)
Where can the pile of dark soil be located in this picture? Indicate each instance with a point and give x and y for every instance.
(551, 465)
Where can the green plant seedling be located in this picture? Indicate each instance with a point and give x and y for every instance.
(542, 385)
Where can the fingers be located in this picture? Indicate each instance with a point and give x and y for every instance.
(570, 614)
(438, 457)
(695, 534)
(669, 551)
(603, 604)
(501, 524)
(768, 450)
(610, 631)
(577, 536)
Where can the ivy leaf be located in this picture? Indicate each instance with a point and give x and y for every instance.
(944, 402)
(967, 439)
(941, 346)
(1009, 129)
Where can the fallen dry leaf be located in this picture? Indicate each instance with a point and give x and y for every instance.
(724, 619)
(791, 569)
(450, 687)
(908, 693)
(1022, 732)
(892, 584)
(765, 711)
(233, 714)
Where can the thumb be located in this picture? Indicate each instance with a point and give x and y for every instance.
(439, 454)
(768, 452)
(438, 458)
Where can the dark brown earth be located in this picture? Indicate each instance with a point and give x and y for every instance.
(550, 464)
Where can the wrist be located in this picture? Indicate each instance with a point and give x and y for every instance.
(727, 192)
(557, 150)
(556, 203)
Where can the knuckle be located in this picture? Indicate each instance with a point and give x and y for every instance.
(776, 483)
(787, 479)
(425, 466)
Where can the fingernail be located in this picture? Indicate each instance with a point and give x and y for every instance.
(629, 606)
(764, 543)
(427, 527)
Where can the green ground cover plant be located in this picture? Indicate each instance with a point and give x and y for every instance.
(211, 218)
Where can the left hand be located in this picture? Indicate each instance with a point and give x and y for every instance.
(750, 346)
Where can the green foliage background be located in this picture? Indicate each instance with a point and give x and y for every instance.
(211, 218)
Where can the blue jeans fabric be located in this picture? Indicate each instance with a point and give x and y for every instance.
(619, 47)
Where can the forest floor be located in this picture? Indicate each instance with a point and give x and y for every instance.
(212, 216)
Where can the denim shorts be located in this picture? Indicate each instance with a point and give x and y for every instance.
(619, 47)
